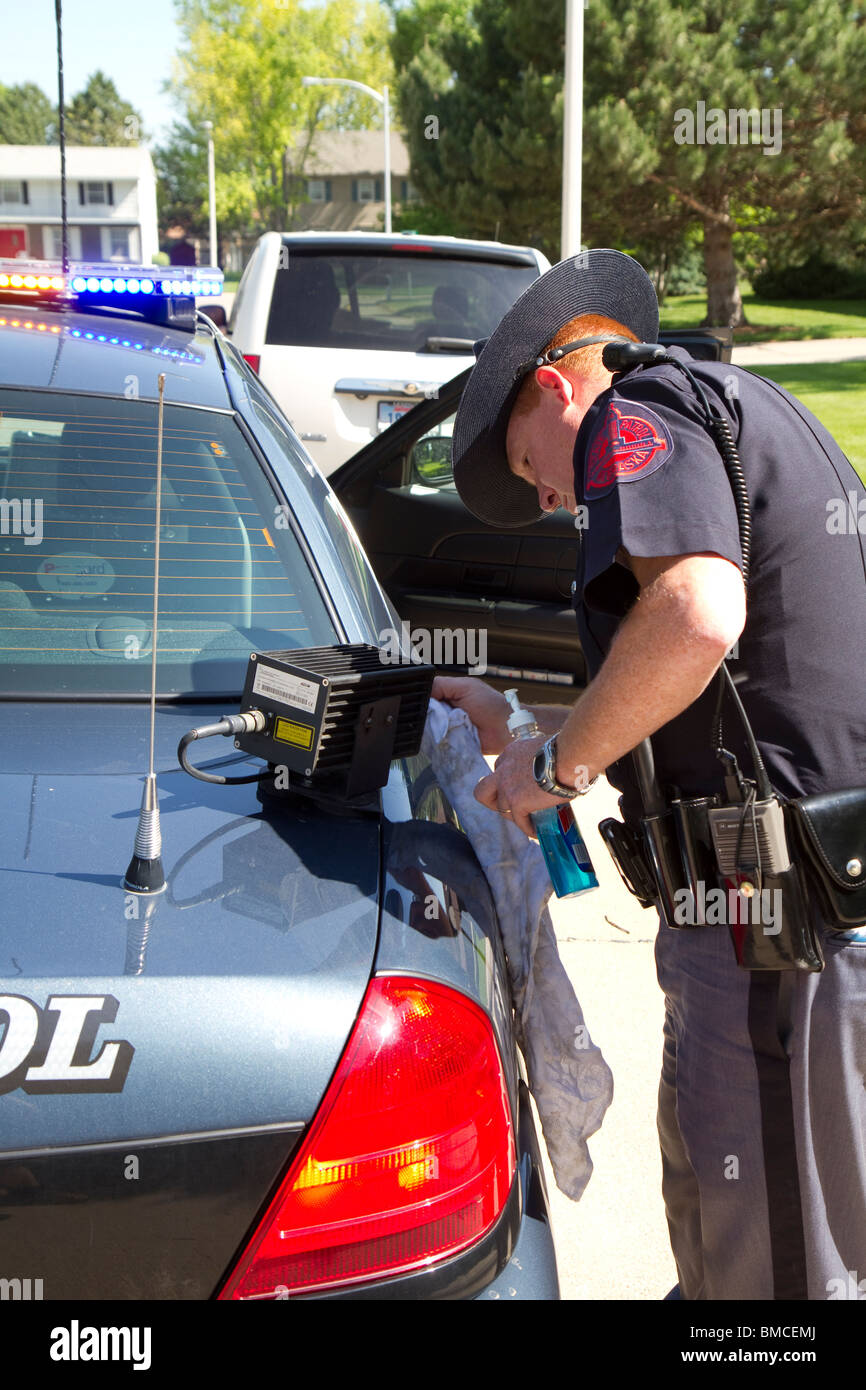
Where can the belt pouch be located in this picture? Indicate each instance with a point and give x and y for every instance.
(696, 850)
(830, 832)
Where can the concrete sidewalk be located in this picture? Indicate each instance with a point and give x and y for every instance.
(613, 1243)
(800, 350)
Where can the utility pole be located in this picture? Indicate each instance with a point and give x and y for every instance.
(572, 129)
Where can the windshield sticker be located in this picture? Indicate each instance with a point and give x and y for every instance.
(75, 575)
(45, 1050)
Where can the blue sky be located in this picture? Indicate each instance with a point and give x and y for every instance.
(132, 41)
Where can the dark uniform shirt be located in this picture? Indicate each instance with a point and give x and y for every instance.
(654, 483)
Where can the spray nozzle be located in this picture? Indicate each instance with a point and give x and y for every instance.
(521, 722)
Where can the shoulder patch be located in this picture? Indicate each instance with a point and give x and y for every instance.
(630, 443)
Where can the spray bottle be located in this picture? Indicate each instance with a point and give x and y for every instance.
(565, 853)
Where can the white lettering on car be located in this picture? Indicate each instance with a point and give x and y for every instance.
(49, 1049)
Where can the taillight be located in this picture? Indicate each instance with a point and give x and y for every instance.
(253, 358)
(409, 1160)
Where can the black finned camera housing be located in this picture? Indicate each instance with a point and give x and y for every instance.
(335, 717)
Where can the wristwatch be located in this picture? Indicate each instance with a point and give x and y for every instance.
(544, 771)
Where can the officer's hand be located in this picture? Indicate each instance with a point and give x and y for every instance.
(511, 789)
(487, 708)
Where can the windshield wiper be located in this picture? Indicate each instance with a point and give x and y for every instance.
(448, 345)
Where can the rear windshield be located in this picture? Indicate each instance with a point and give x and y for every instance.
(77, 516)
(399, 302)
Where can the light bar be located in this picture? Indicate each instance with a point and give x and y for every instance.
(144, 280)
(162, 294)
(46, 278)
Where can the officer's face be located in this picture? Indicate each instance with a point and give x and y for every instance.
(540, 443)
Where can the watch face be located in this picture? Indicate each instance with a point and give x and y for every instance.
(543, 767)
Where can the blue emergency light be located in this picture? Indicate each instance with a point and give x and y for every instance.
(157, 293)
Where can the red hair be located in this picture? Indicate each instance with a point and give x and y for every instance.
(585, 362)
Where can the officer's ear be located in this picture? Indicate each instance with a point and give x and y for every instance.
(549, 379)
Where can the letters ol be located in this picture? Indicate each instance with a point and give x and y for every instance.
(50, 1049)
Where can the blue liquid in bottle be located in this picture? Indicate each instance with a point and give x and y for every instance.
(563, 846)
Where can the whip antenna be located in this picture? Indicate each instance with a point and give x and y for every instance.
(145, 873)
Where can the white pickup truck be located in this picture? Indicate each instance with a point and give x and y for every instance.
(349, 330)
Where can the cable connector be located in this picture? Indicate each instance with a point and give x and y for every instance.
(252, 721)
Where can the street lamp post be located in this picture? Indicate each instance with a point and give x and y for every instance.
(382, 98)
(211, 194)
(386, 112)
(572, 129)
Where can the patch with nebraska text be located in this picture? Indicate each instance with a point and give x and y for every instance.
(629, 444)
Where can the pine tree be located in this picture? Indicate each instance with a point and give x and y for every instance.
(696, 114)
(26, 115)
(98, 115)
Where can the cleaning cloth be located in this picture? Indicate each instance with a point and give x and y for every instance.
(568, 1077)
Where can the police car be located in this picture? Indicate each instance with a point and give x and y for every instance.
(283, 1076)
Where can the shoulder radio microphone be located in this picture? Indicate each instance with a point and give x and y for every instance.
(622, 355)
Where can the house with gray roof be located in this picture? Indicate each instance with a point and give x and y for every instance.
(343, 179)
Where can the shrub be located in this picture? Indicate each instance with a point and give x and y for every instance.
(816, 278)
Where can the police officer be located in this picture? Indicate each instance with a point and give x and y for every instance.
(761, 1102)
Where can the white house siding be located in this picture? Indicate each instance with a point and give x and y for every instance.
(132, 211)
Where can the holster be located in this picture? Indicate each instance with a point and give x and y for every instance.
(665, 858)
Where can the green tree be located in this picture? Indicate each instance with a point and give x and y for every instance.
(492, 76)
(657, 71)
(479, 96)
(241, 64)
(98, 115)
(181, 171)
(26, 115)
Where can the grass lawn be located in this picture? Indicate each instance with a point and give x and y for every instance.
(776, 320)
(835, 392)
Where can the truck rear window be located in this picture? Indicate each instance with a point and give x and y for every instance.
(399, 302)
